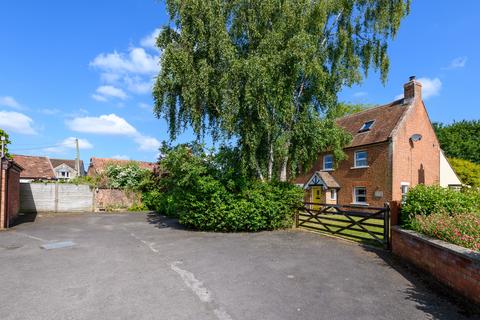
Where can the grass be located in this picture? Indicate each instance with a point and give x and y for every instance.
(355, 233)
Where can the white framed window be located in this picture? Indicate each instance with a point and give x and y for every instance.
(361, 159)
(333, 194)
(367, 126)
(404, 186)
(328, 162)
(360, 195)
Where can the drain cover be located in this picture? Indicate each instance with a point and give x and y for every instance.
(57, 245)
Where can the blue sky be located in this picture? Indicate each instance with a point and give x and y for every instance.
(84, 68)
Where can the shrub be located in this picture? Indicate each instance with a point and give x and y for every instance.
(210, 192)
(129, 176)
(468, 172)
(461, 229)
(425, 200)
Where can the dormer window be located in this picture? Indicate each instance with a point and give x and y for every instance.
(367, 126)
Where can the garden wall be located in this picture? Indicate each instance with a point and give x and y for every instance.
(115, 199)
(55, 197)
(65, 197)
(452, 265)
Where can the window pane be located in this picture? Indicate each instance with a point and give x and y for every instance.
(360, 195)
(361, 159)
(328, 162)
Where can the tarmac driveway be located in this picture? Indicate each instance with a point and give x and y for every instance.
(138, 266)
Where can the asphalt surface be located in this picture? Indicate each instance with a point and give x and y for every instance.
(138, 266)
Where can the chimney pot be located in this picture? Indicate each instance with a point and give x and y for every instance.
(412, 78)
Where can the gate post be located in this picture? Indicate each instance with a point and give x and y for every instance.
(386, 226)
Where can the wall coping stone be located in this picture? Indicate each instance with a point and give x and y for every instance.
(452, 248)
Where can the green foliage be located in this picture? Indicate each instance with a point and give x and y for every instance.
(460, 229)
(7, 142)
(91, 181)
(206, 192)
(425, 200)
(129, 176)
(460, 139)
(266, 73)
(467, 171)
(345, 109)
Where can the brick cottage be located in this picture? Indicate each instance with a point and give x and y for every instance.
(394, 147)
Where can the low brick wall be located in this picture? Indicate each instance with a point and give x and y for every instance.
(454, 266)
(115, 199)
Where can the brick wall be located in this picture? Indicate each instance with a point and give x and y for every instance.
(375, 178)
(454, 266)
(415, 162)
(9, 193)
(115, 199)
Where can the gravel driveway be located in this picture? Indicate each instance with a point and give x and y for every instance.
(139, 266)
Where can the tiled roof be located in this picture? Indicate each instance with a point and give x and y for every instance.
(98, 165)
(386, 118)
(70, 163)
(330, 182)
(34, 167)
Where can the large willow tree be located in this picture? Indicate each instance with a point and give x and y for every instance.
(266, 73)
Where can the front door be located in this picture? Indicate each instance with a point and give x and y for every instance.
(317, 197)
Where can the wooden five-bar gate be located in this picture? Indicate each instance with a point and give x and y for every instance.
(369, 224)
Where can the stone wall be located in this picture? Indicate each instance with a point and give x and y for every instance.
(454, 266)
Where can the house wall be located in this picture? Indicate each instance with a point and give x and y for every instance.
(448, 177)
(415, 162)
(375, 178)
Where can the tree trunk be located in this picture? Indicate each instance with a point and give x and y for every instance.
(283, 171)
(270, 162)
(259, 171)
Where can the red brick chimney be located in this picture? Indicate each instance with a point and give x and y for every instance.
(412, 89)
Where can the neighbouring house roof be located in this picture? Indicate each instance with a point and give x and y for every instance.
(35, 167)
(322, 178)
(70, 163)
(386, 118)
(98, 165)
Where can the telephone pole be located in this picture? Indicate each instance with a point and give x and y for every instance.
(77, 159)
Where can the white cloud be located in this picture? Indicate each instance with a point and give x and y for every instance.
(150, 41)
(82, 143)
(430, 87)
(136, 61)
(104, 124)
(458, 62)
(132, 70)
(105, 92)
(147, 143)
(50, 111)
(7, 101)
(115, 125)
(16, 122)
(69, 143)
(99, 97)
(120, 157)
(137, 85)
